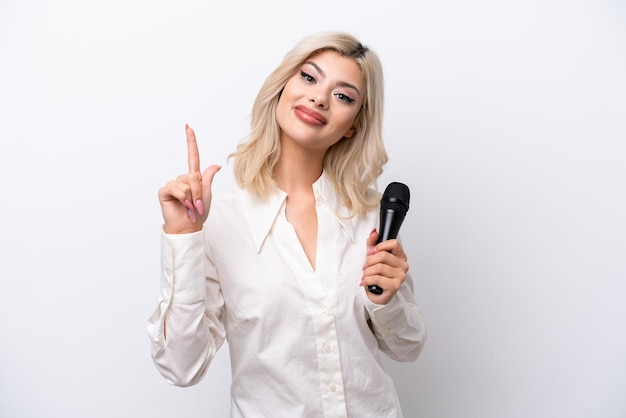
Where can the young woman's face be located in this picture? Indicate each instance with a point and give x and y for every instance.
(319, 104)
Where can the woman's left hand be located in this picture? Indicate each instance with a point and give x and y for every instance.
(385, 266)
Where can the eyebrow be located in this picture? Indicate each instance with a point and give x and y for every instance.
(340, 83)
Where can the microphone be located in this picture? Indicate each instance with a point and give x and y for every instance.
(393, 207)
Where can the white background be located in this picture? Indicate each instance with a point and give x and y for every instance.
(507, 119)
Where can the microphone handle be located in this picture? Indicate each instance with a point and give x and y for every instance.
(389, 226)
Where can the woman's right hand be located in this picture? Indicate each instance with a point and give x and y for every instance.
(185, 202)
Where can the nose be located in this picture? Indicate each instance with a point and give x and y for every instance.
(318, 100)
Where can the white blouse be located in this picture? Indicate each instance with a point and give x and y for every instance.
(303, 342)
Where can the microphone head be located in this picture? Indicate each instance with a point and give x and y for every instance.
(396, 197)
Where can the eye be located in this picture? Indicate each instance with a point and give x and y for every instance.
(307, 77)
(344, 97)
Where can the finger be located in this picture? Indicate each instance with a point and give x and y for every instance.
(385, 276)
(370, 244)
(204, 193)
(193, 156)
(393, 246)
(175, 190)
(384, 270)
(182, 192)
(194, 177)
(371, 239)
(207, 179)
(386, 258)
(195, 186)
(388, 285)
(398, 251)
(375, 280)
(193, 182)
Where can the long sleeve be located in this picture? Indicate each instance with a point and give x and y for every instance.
(300, 340)
(185, 330)
(398, 325)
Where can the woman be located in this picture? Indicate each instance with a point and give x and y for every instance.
(280, 265)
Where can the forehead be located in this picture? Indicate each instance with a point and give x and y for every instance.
(336, 66)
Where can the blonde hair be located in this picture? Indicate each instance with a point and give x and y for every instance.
(353, 165)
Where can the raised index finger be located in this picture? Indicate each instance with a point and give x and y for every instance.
(193, 156)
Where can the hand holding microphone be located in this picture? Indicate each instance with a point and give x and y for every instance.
(386, 264)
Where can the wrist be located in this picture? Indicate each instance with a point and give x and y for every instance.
(170, 229)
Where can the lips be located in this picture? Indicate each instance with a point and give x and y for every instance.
(310, 116)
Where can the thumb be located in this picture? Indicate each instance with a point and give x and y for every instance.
(207, 180)
(371, 239)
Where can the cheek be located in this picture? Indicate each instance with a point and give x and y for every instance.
(285, 100)
(349, 118)
(289, 90)
(281, 109)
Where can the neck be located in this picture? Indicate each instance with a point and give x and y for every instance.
(298, 169)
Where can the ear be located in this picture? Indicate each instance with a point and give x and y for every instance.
(350, 132)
